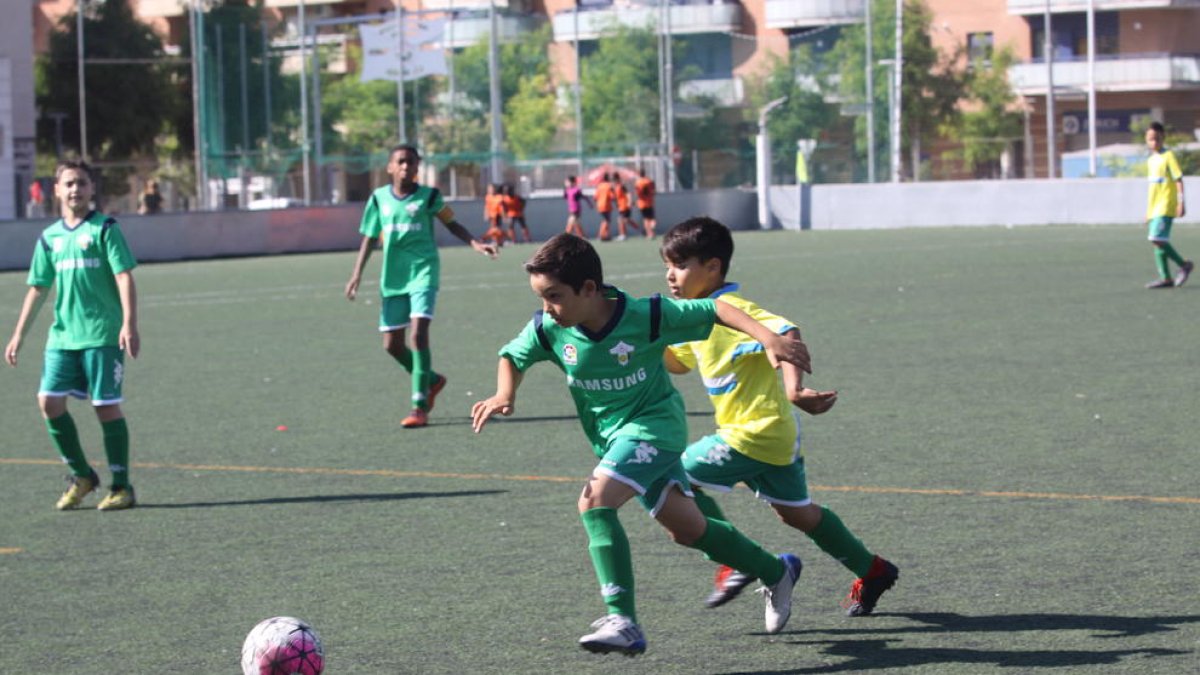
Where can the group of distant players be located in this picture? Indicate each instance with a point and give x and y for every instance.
(503, 210)
(610, 192)
(616, 352)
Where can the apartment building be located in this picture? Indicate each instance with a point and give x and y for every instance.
(1147, 53)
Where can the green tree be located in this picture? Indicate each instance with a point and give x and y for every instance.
(989, 123)
(531, 117)
(930, 86)
(620, 85)
(804, 114)
(130, 90)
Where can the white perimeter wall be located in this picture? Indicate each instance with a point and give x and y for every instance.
(8, 185)
(178, 236)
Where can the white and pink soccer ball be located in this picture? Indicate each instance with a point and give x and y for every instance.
(283, 645)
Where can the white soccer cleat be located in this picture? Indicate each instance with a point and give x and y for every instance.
(614, 633)
(779, 596)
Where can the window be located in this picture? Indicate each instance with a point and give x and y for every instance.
(979, 47)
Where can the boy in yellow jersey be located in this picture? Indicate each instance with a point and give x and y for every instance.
(758, 438)
(1164, 206)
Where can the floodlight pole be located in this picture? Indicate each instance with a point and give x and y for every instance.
(494, 92)
(83, 144)
(578, 92)
(1091, 71)
(897, 87)
(1048, 47)
(763, 163)
(870, 94)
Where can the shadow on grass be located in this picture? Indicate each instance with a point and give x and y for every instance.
(322, 499)
(519, 419)
(874, 653)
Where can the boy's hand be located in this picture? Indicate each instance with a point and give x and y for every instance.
(129, 341)
(10, 352)
(482, 411)
(486, 249)
(815, 402)
(352, 287)
(791, 349)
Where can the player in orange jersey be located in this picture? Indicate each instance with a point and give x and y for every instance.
(493, 213)
(514, 212)
(623, 207)
(645, 189)
(604, 203)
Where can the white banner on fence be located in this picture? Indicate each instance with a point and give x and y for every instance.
(422, 55)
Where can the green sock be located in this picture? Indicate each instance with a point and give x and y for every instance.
(1172, 254)
(724, 544)
(609, 548)
(421, 377)
(832, 536)
(66, 438)
(708, 506)
(116, 450)
(1160, 261)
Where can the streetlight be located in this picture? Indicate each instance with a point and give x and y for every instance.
(763, 164)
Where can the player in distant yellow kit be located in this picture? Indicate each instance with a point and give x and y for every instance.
(1164, 206)
(758, 438)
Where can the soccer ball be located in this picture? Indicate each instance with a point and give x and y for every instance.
(283, 645)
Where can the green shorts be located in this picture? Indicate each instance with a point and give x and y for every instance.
(397, 311)
(650, 470)
(711, 463)
(1159, 228)
(96, 373)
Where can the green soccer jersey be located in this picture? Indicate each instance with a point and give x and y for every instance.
(616, 377)
(405, 226)
(83, 261)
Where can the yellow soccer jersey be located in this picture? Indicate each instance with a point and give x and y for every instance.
(1163, 171)
(754, 415)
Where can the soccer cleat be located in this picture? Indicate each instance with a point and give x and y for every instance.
(1185, 270)
(117, 499)
(1161, 283)
(779, 596)
(434, 389)
(614, 633)
(728, 585)
(416, 418)
(865, 592)
(80, 487)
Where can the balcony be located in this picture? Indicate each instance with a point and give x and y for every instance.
(1128, 72)
(727, 92)
(465, 31)
(684, 20)
(1063, 6)
(794, 14)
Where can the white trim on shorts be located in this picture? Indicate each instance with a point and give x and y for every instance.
(112, 401)
(421, 316)
(392, 329)
(75, 393)
(662, 498)
(621, 479)
(770, 500)
(709, 486)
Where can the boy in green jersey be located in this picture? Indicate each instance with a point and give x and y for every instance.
(1164, 205)
(95, 324)
(401, 215)
(757, 441)
(610, 347)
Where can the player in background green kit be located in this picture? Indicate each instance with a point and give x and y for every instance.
(758, 438)
(1164, 205)
(401, 215)
(95, 324)
(610, 347)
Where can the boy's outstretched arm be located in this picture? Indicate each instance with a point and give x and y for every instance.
(128, 339)
(35, 297)
(810, 401)
(779, 349)
(673, 364)
(364, 253)
(508, 379)
(446, 215)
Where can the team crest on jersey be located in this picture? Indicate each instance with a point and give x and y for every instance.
(84, 240)
(622, 352)
(58, 245)
(412, 209)
(570, 355)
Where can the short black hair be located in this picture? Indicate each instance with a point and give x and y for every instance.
(411, 149)
(569, 259)
(1157, 126)
(701, 237)
(76, 165)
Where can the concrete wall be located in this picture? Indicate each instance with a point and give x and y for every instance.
(179, 236)
(1096, 201)
(1086, 201)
